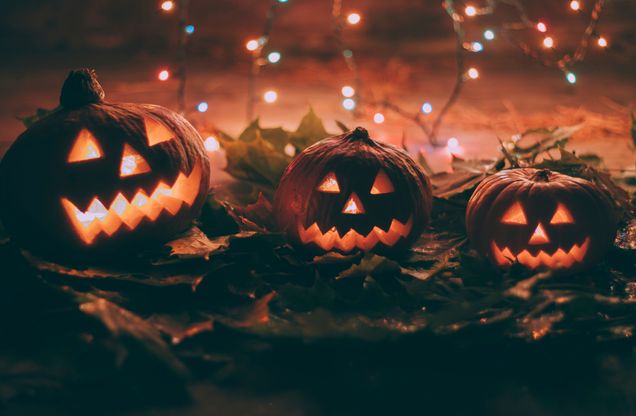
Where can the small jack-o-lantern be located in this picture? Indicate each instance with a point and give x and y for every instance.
(350, 193)
(540, 219)
(96, 176)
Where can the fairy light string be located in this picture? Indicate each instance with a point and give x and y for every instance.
(256, 47)
(358, 100)
(564, 62)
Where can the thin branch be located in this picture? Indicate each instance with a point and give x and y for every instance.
(182, 55)
(257, 59)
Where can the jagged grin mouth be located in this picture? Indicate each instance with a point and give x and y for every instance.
(122, 212)
(352, 239)
(559, 259)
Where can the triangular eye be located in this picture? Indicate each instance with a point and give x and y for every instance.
(382, 184)
(562, 216)
(329, 184)
(156, 132)
(514, 215)
(85, 147)
(132, 163)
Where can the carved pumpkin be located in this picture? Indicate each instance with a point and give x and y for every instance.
(96, 176)
(540, 219)
(350, 193)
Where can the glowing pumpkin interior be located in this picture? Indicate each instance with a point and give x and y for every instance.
(108, 217)
(541, 250)
(353, 206)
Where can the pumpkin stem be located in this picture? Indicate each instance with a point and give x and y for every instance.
(360, 133)
(543, 175)
(81, 88)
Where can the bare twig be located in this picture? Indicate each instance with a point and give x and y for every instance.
(182, 55)
(258, 60)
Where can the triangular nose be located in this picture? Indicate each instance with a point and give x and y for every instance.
(353, 205)
(539, 236)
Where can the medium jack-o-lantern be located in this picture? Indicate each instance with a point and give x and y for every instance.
(95, 176)
(540, 219)
(350, 193)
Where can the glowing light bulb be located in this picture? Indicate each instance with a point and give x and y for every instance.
(270, 96)
(167, 5)
(541, 27)
(348, 91)
(202, 107)
(453, 147)
(251, 45)
(476, 47)
(575, 5)
(354, 18)
(163, 75)
(602, 42)
(470, 11)
(189, 29)
(273, 57)
(489, 34)
(548, 42)
(290, 150)
(473, 73)
(348, 104)
(427, 108)
(453, 142)
(378, 118)
(570, 77)
(211, 144)
(283, 1)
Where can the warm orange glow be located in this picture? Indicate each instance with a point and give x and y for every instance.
(559, 259)
(212, 144)
(251, 45)
(539, 236)
(514, 215)
(602, 42)
(329, 184)
(167, 5)
(156, 132)
(132, 163)
(354, 18)
(382, 184)
(473, 73)
(352, 239)
(353, 205)
(99, 219)
(562, 216)
(85, 147)
(470, 10)
(548, 42)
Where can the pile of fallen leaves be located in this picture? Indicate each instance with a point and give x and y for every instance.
(229, 302)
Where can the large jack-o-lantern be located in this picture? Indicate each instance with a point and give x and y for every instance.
(96, 176)
(350, 193)
(540, 219)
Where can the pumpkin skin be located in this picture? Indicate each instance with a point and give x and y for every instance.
(541, 219)
(349, 193)
(97, 177)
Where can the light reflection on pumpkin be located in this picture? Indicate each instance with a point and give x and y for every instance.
(97, 218)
